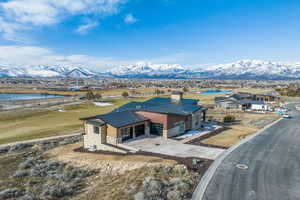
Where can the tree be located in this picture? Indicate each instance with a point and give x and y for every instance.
(125, 94)
(98, 95)
(185, 89)
(90, 95)
(228, 119)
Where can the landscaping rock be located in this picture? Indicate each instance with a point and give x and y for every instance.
(60, 189)
(70, 140)
(21, 173)
(19, 147)
(4, 149)
(154, 189)
(139, 196)
(11, 193)
(29, 197)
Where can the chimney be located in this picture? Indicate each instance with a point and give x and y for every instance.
(176, 96)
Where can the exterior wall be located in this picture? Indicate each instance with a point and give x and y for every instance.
(227, 105)
(92, 140)
(259, 107)
(170, 122)
(112, 135)
(155, 117)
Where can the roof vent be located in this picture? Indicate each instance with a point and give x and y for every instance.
(138, 107)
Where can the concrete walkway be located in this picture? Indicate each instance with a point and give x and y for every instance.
(174, 148)
(39, 140)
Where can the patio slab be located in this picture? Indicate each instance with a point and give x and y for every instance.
(174, 148)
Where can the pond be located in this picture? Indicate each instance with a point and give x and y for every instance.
(215, 92)
(18, 97)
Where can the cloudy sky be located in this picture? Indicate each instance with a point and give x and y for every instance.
(99, 34)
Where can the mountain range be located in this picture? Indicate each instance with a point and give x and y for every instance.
(243, 69)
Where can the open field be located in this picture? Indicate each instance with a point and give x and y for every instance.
(247, 124)
(78, 93)
(31, 124)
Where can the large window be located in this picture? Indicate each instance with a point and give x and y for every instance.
(126, 133)
(96, 130)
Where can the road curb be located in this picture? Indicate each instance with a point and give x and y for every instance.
(205, 180)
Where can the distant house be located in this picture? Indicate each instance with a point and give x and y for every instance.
(245, 101)
(166, 117)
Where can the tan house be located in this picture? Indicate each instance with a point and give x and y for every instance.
(166, 117)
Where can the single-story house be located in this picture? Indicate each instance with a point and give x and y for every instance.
(241, 102)
(166, 117)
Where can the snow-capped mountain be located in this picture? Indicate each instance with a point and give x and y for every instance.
(243, 69)
(45, 71)
(149, 70)
(252, 69)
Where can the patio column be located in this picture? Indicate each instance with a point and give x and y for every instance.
(133, 129)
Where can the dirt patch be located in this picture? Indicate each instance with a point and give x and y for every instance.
(123, 176)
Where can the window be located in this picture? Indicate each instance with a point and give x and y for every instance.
(96, 130)
(127, 133)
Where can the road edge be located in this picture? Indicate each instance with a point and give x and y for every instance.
(205, 180)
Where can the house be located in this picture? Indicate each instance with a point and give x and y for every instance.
(246, 101)
(166, 117)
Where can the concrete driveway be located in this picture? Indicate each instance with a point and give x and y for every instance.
(174, 148)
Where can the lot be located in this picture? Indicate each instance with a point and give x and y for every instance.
(247, 124)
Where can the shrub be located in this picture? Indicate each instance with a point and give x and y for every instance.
(210, 118)
(228, 119)
(125, 94)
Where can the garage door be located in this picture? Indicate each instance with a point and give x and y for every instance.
(156, 129)
(139, 130)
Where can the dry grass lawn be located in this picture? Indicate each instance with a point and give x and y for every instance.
(248, 123)
(231, 136)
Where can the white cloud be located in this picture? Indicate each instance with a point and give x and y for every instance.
(27, 14)
(33, 55)
(130, 19)
(84, 28)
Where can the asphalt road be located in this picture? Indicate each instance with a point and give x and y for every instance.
(273, 160)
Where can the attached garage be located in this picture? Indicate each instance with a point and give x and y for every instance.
(139, 130)
(156, 129)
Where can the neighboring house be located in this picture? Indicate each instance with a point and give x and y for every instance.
(245, 101)
(166, 117)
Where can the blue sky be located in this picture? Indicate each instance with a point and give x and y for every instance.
(102, 33)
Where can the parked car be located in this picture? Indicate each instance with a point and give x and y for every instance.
(287, 116)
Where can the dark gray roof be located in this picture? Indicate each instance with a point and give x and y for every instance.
(174, 108)
(125, 115)
(239, 96)
(160, 101)
(250, 102)
(97, 122)
(120, 119)
(132, 106)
